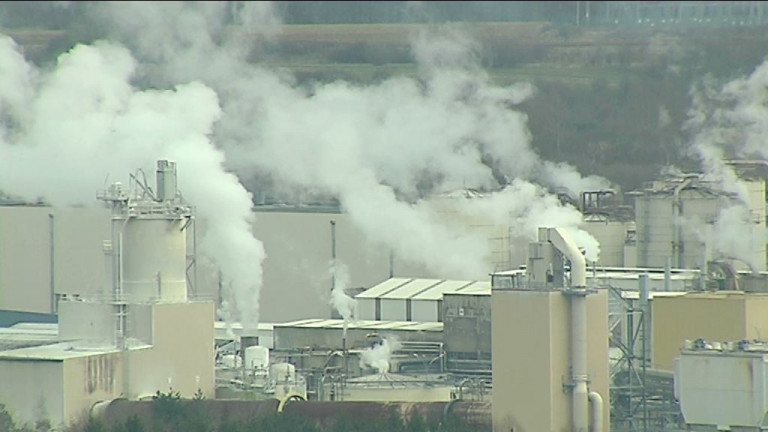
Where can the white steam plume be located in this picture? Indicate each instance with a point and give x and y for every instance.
(84, 120)
(379, 148)
(379, 356)
(345, 305)
(732, 120)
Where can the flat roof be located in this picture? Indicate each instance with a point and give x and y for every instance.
(321, 323)
(634, 271)
(634, 295)
(221, 325)
(23, 336)
(55, 352)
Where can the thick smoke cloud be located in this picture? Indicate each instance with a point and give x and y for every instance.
(67, 130)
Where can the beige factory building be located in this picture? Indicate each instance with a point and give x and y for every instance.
(530, 381)
(134, 333)
(719, 316)
(62, 381)
(550, 344)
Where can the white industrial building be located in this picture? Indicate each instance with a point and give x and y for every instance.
(723, 385)
(129, 335)
(407, 299)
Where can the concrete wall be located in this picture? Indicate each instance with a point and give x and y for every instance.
(298, 247)
(714, 317)
(33, 390)
(531, 357)
(91, 379)
(79, 320)
(25, 258)
(182, 355)
(78, 264)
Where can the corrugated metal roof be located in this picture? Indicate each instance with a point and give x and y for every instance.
(476, 288)
(436, 292)
(221, 325)
(385, 287)
(412, 288)
(420, 289)
(363, 324)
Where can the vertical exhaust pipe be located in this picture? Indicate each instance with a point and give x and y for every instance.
(578, 290)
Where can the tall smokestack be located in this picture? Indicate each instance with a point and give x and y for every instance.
(166, 180)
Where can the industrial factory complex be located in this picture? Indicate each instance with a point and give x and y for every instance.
(102, 307)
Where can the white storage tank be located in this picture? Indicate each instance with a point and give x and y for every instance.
(256, 357)
(154, 259)
(148, 245)
(612, 236)
(282, 372)
(677, 220)
(723, 385)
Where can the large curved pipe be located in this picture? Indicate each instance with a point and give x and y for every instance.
(560, 238)
(597, 411)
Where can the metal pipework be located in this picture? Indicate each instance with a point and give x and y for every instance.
(565, 244)
(579, 376)
(597, 411)
(561, 240)
(166, 180)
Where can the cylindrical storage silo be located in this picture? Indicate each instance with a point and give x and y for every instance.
(611, 234)
(656, 233)
(153, 258)
(256, 357)
(283, 372)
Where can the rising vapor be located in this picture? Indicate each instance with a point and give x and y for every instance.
(731, 121)
(383, 150)
(65, 130)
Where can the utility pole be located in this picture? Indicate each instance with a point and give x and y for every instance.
(333, 254)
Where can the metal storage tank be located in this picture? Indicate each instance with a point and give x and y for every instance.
(387, 387)
(612, 236)
(608, 220)
(676, 215)
(256, 357)
(154, 258)
(149, 239)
